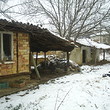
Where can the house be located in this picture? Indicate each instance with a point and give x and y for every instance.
(88, 51)
(18, 41)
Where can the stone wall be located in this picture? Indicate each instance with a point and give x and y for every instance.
(10, 67)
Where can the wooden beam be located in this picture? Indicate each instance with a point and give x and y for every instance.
(29, 55)
(45, 59)
(36, 70)
(103, 54)
(67, 59)
(36, 58)
(67, 63)
(17, 70)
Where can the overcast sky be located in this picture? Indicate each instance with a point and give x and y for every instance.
(22, 18)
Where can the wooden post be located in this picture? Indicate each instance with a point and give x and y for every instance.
(36, 70)
(30, 62)
(67, 65)
(45, 59)
(17, 66)
(95, 56)
(36, 57)
(103, 54)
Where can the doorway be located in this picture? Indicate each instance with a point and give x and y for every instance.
(84, 56)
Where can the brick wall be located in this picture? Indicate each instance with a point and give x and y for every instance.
(23, 53)
(10, 67)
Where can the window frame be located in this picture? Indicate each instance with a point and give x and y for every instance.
(1, 37)
(0, 47)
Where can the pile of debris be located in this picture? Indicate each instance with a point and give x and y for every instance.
(58, 66)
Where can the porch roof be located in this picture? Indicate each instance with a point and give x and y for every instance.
(40, 39)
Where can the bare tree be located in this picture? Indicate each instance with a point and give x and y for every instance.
(2, 7)
(9, 11)
(106, 30)
(105, 26)
(70, 18)
(6, 9)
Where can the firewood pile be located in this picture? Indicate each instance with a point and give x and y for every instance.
(58, 66)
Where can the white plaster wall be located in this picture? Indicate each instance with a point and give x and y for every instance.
(88, 53)
(76, 55)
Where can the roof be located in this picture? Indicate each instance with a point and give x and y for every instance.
(46, 41)
(40, 39)
(91, 43)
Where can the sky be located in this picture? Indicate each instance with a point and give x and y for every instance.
(22, 18)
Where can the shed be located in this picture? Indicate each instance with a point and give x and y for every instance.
(88, 51)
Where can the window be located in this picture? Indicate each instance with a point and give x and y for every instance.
(0, 47)
(6, 51)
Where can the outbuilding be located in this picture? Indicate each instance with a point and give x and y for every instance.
(88, 51)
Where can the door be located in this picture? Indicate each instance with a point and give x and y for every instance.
(84, 56)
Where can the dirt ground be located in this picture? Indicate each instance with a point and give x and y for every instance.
(33, 82)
